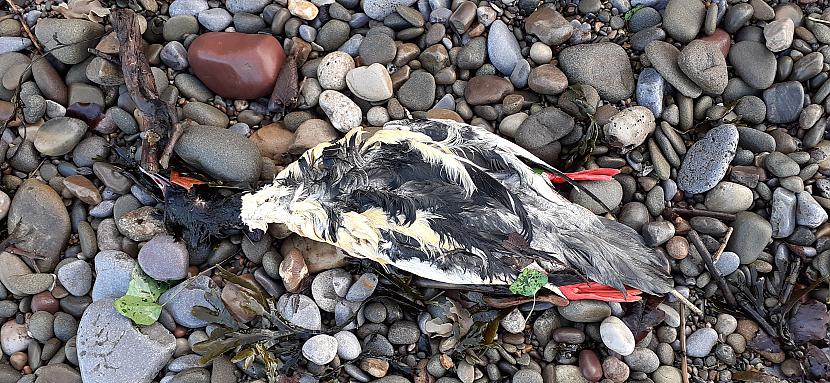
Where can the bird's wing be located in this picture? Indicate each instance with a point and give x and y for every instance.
(401, 198)
(605, 251)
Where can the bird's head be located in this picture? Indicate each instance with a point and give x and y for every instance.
(268, 205)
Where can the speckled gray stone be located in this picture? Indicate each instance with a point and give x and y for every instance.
(707, 160)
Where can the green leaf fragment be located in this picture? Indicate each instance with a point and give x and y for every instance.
(139, 304)
(529, 281)
(139, 310)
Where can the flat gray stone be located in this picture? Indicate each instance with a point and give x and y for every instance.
(605, 66)
(46, 232)
(111, 349)
(221, 153)
(502, 47)
(707, 160)
(784, 102)
(180, 300)
(75, 35)
(682, 19)
(753, 63)
(782, 217)
(113, 270)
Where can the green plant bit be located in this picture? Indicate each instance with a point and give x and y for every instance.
(139, 304)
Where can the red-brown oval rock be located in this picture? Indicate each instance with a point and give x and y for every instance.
(487, 89)
(590, 366)
(236, 65)
(721, 39)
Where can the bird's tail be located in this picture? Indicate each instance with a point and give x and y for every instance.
(613, 254)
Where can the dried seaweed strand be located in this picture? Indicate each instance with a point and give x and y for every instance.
(23, 23)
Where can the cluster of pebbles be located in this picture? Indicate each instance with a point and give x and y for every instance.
(719, 106)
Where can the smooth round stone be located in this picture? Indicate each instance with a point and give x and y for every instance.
(646, 17)
(187, 7)
(59, 136)
(604, 66)
(75, 36)
(329, 286)
(547, 79)
(609, 192)
(502, 47)
(14, 337)
(300, 310)
(343, 113)
(371, 83)
(332, 70)
(643, 360)
(333, 34)
(236, 65)
(737, 16)
(682, 19)
(784, 102)
(750, 236)
(540, 53)
(754, 63)
(727, 263)
(404, 332)
(320, 349)
(650, 90)
(705, 65)
(174, 55)
(379, 9)
(641, 39)
(177, 27)
(76, 277)
(205, 114)
(701, 342)
(487, 89)
(418, 93)
(721, 39)
(164, 259)
(215, 19)
(778, 34)
(667, 374)
(585, 311)
(377, 48)
(729, 197)
(473, 54)
(707, 160)
(809, 212)
(220, 152)
(549, 26)
(348, 346)
(617, 336)
(781, 165)
(753, 110)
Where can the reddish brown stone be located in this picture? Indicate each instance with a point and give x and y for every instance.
(721, 39)
(487, 89)
(6, 111)
(590, 366)
(236, 65)
(45, 302)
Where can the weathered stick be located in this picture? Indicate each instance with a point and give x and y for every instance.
(713, 271)
(702, 213)
(684, 363)
(26, 29)
(158, 115)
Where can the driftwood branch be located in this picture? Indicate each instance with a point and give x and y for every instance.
(158, 115)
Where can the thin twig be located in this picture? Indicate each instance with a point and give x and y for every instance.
(112, 59)
(702, 213)
(722, 247)
(818, 20)
(713, 271)
(684, 363)
(23, 23)
(686, 302)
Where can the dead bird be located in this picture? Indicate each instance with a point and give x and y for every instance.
(454, 203)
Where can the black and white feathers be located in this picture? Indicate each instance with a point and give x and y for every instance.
(449, 202)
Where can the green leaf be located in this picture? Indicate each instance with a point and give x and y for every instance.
(139, 304)
(141, 285)
(139, 310)
(529, 281)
